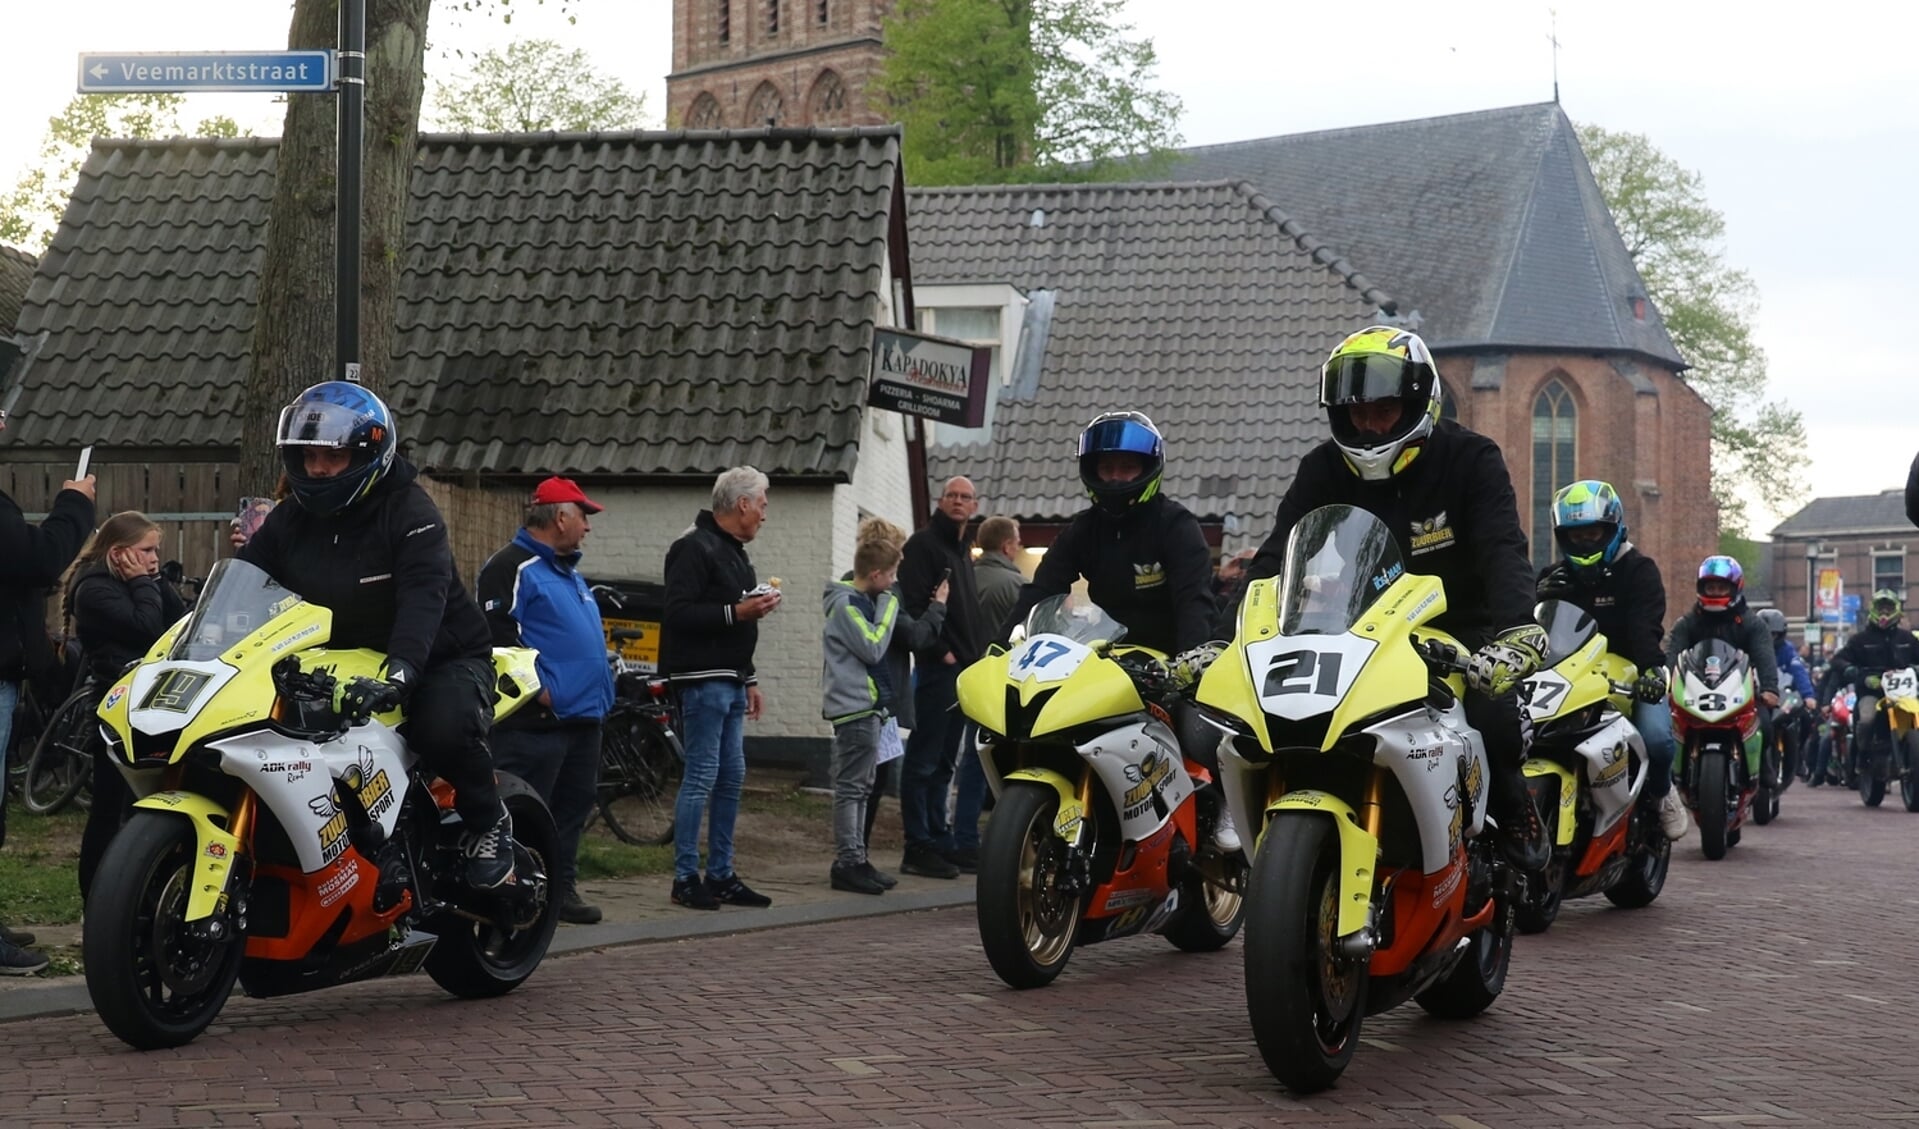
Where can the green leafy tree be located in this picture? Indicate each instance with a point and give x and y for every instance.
(30, 214)
(1674, 237)
(1001, 91)
(535, 84)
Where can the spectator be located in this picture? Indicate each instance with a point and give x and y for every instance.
(856, 697)
(938, 552)
(534, 596)
(711, 626)
(1231, 571)
(910, 634)
(31, 560)
(996, 573)
(117, 606)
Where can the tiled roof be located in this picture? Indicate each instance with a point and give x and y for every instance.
(16, 271)
(1857, 513)
(1489, 225)
(1199, 304)
(618, 303)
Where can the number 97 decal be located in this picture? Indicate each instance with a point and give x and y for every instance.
(1306, 676)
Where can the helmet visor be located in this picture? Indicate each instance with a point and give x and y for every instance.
(1363, 378)
(1116, 435)
(315, 423)
(1585, 544)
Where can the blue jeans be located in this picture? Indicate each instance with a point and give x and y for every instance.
(971, 796)
(1654, 722)
(927, 774)
(713, 728)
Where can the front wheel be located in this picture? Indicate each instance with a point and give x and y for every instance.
(1909, 783)
(1305, 997)
(1213, 913)
(1872, 782)
(479, 959)
(1765, 803)
(1545, 892)
(1027, 920)
(155, 980)
(1647, 864)
(1710, 795)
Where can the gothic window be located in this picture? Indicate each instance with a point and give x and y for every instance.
(725, 21)
(772, 17)
(827, 104)
(824, 14)
(1555, 444)
(764, 109)
(705, 113)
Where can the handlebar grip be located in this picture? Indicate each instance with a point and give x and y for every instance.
(627, 634)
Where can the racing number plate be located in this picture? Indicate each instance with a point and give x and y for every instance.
(1900, 683)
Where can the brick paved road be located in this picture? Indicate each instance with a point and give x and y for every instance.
(1774, 987)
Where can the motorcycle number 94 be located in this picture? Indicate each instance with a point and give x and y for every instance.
(1305, 676)
(1900, 683)
(1048, 658)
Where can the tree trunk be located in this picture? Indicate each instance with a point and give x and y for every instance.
(293, 331)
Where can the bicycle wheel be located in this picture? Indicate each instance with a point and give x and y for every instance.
(62, 761)
(640, 769)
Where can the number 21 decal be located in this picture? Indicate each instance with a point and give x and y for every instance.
(1292, 673)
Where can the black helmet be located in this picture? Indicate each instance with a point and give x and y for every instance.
(1121, 433)
(340, 415)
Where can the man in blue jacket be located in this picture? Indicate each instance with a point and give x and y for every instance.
(534, 596)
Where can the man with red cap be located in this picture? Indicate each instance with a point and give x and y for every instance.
(534, 596)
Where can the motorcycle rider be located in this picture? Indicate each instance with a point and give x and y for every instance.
(362, 539)
(1881, 646)
(1794, 676)
(1144, 559)
(1721, 613)
(1620, 587)
(1445, 494)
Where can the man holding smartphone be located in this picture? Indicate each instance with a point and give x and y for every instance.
(939, 552)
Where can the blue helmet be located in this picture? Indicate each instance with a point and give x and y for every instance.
(341, 416)
(1121, 433)
(1589, 523)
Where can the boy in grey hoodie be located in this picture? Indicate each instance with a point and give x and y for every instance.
(860, 615)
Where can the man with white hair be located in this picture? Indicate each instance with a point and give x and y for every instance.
(711, 626)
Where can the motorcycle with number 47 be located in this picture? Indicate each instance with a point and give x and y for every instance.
(1350, 758)
(281, 844)
(1102, 828)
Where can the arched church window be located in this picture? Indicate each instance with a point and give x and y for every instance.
(705, 113)
(764, 108)
(1555, 453)
(827, 104)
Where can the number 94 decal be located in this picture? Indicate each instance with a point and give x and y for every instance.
(1305, 676)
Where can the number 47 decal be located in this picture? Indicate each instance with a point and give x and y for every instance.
(1042, 651)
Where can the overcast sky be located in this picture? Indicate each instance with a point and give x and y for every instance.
(1805, 128)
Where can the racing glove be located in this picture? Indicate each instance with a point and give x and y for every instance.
(1556, 583)
(1188, 665)
(1872, 682)
(364, 697)
(1497, 668)
(1651, 686)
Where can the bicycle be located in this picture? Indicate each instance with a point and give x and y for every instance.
(641, 759)
(60, 771)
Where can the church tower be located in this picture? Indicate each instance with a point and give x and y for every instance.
(744, 64)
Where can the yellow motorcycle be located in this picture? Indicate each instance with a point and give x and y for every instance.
(281, 844)
(1352, 761)
(1585, 770)
(1102, 827)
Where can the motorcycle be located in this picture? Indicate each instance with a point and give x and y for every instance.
(1715, 718)
(1834, 758)
(280, 844)
(1101, 828)
(1883, 755)
(1585, 770)
(1350, 759)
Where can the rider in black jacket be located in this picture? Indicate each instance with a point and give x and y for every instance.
(1445, 494)
(1881, 646)
(1722, 614)
(362, 539)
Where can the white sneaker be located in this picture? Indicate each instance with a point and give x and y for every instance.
(1672, 816)
(1225, 835)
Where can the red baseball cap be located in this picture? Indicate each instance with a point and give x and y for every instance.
(556, 489)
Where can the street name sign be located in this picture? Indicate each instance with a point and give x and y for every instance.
(134, 72)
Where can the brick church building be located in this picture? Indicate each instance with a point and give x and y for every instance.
(747, 64)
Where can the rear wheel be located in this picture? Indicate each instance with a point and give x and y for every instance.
(1872, 778)
(1909, 782)
(62, 763)
(155, 980)
(1646, 867)
(1027, 922)
(1480, 974)
(1711, 798)
(640, 770)
(1765, 801)
(1305, 997)
(1545, 892)
(477, 959)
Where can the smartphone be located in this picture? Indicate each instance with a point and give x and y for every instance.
(946, 574)
(253, 512)
(86, 456)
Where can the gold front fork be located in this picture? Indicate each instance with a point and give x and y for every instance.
(1372, 809)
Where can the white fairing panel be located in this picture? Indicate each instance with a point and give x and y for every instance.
(1435, 756)
(1610, 752)
(297, 780)
(1140, 766)
(166, 695)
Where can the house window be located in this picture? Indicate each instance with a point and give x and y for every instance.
(975, 325)
(827, 104)
(1889, 571)
(1555, 440)
(725, 20)
(764, 109)
(772, 17)
(705, 113)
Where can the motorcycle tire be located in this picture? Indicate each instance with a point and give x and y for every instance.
(1646, 866)
(1305, 1004)
(1211, 916)
(62, 761)
(1027, 928)
(1545, 893)
(133, 927)
(1711, 798)
(1909, 781)
(1765, 800)
(1479, 975)
(1872, 786)
(478, 960)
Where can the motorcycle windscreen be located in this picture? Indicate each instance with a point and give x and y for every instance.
(1567, 627)
(239, 599)
(1075, 617)
(1339, 561)
(1713, 662)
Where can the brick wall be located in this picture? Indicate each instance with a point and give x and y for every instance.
(1853, 555)
(792, 60)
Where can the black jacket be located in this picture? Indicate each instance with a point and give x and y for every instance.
(1452, 513)
(118, 620)
(383, 566)
(1912, 492)
(939, 546)
(1736, 625)
(1627, 600)
(707, 572)
(1149, 569)
(1874, 650)
(31, 561)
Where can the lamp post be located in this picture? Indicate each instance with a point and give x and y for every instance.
(1812, 581)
